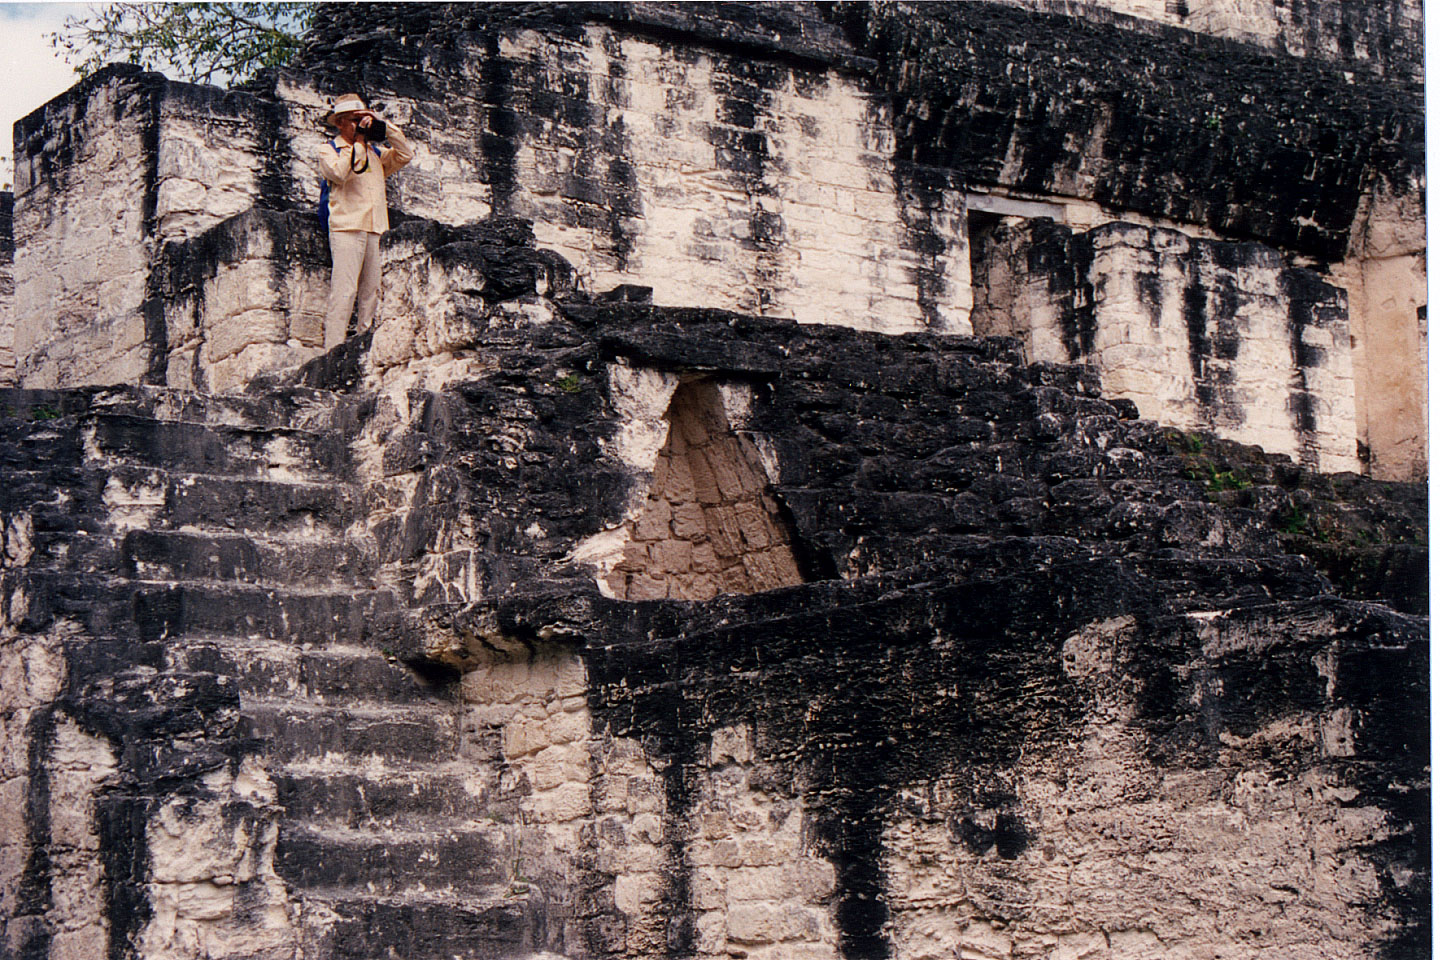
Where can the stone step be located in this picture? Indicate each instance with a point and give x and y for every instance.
(43, 485)
(198, 610)
(293, 406)
(1192, 581)
(19, 405)
(195, 555)
(375, 797)
(353, 676)
(115, 608)
(505, 926)
(58, 532)
(39, 445)
(449, 856)
(103, 607)
(298, 407)
(346, 736)
(277, 453)
(148, 497)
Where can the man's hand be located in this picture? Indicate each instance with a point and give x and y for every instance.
(363, 123)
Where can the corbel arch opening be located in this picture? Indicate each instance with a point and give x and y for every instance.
(710, 524)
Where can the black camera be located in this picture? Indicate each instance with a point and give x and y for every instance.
(375, 133)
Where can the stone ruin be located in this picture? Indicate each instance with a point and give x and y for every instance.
(828, 480)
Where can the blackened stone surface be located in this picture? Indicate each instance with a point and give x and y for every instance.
(1371, 539)
(1008, 96)
(892, 451)
(960, 515)
(965, 514)
(826, 675)
(7, 226)
(500, 249)
(1214, 309)
(404, 929)
(171, 721)
(1382, 37)
(787, 30)
(51, 158)
(294, 238)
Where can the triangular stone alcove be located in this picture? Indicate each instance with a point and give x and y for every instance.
(709, 525)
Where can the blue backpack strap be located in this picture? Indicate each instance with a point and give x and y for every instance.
(323, 210)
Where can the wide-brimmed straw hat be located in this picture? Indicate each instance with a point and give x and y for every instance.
(349, 103)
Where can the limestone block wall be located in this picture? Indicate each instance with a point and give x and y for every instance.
(1084, 843)
(217, 154)
(84, 200)
(1052, 105)
(646, 812)
(106, 175)
(1182, 144)
(1040, 99)
(243, 298)
(525, 715)
(596, 841)
(787, 161)
(1073, 854)
(1200, 334)
(445, 287)
(743, 182)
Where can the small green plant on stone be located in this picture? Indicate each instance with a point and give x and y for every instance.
(569, 383)
(1216, 480)
(44, 413)
(1293, 521)
(1228, 480)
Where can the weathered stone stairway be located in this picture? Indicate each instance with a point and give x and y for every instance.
(221, 542)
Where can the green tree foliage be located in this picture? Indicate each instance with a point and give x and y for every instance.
(200, 42)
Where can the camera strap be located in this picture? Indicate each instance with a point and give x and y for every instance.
(366, 165)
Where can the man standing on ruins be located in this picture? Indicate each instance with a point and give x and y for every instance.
(355, 170)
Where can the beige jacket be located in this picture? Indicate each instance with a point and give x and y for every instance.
(357, 200)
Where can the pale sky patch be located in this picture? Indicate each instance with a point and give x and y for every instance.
(31, 72)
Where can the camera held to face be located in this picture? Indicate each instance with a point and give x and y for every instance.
(374, 132)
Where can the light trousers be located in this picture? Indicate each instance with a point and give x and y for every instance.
(354, 271)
